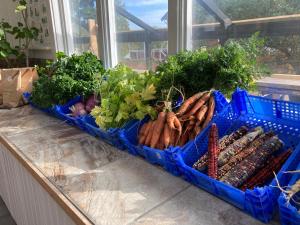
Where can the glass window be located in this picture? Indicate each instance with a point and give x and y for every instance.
(276, 20)
(84, 26)
(141, 29)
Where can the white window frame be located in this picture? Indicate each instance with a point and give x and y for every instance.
(179, 28)
(179, 25)
(62, 26)
(107, 32)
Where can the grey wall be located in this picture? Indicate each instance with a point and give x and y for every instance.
(44, 50)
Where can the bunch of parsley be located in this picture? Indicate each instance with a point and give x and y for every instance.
(224, 68)
(66, 78)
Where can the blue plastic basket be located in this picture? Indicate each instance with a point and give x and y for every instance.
(290, 211)
(50, 110)
(279, 116)
(165, 157)
(63, 113)
(154, 156)
(111, 136)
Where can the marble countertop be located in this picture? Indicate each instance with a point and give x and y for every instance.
(110, 186)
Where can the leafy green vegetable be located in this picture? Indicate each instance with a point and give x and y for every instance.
(66, 78)
(125, 95)
(223, 67)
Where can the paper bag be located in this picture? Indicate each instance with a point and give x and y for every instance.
(14, 83)
(1, 90)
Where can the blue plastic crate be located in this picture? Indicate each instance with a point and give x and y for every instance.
(50, 110)
(290, 211)
(111, 136)
(63, 112)
(279, 116)
(165, 157)
(154, 156)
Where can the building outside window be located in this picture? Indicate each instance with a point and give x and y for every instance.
(83, 18)
(277, 21)
(141, 32)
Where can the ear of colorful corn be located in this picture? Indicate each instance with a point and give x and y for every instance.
(273, 165)
(245, 169)
(229, 139)
(238, 146)
(223, 143)
(213, 152)
(244, 153)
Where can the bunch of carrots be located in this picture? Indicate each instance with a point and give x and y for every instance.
(177, 128)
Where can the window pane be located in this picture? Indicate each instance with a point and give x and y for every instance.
(83, 19)
(276, 20)
(141, 28)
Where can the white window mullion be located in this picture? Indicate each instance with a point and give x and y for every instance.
(180, 25)
(62, 27)
(107, 32)
(68, 26)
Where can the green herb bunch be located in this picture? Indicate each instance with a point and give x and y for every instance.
(125, 95)
(223, 67)
(66, 78)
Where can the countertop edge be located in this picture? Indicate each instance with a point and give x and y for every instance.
(75, 214)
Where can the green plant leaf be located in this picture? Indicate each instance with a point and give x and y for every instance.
(20, 8)
(125, 96)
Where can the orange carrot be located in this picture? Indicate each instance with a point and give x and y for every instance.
(190, 125)
(197, 129)
(174, 122)
(210, 111)
(183, 139)
(170, 119)
(188, 103)
(177, 125)
(158, 129)
(150, 133)
(175, 138)
(198, 104)
(186, 118)
(172, 136)
(167, 138)
(192, 134)
(201, 113)
(144, 132)
(160, 143)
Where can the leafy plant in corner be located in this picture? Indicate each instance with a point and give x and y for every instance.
(66, 78)
(24, 33)
(6, 50)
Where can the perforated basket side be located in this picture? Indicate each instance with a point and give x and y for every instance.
(290, 209)
(289, 214)
(49, 110)
(63, 112)
(163, 158)
(260, 202)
